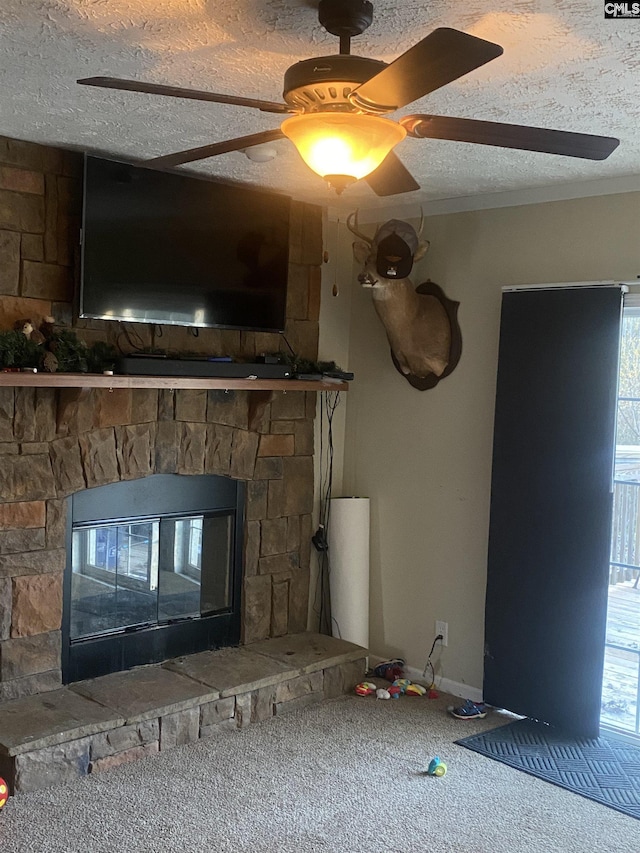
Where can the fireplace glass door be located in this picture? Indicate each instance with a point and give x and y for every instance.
(149, 572)
(154, 571)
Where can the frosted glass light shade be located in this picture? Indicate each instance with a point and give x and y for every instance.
(343, 144)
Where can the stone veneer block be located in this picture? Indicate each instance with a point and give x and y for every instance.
(146, 692)
(5, 608)
(256, 603)
(27, 478)
(16, 541)
(287, 407)
(29, 655)
(309, 652)
(21, 213)
(191, 455)
(67, 465)
(54, 765)
(41, 682)
(33, 562)
(180, 728)
(228, 407)
(6, 414)
(297, 485)
(47, 281)
(37, 722)
(268, 468)
(124, 738)
(99, 458)
(56, 523)
(37, 604)
(45, 414)
(263, 703)
(218, 455)
(304, 438)
(244, 707)
(24, 423)
(191, 405)
(273, 536)
(135, 753)
(215, 713)
(257, 491)
(279, 607)
(9, 262)
(167, 446)
(232, 670)
(298, 600)
(251, 548)
(112, 408)
(301, 686)
(341, 679)
(134, 450)
(276, 445)
(244, 448)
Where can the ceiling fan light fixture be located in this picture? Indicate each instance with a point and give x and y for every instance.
(349, 145)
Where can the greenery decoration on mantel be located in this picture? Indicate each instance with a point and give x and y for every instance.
(59, 352)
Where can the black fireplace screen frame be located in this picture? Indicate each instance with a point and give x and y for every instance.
(159, 495)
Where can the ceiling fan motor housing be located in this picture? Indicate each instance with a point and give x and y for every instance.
(345, 18)
(325, 83)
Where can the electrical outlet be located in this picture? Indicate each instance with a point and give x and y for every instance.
(443, 628)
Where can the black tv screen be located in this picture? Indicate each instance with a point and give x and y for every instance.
(163, 248)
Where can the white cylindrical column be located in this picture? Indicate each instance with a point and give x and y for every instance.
(348, 539)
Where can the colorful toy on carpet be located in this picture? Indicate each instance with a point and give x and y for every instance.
(4, 792)
(365, 688)
(400, 687)
(409, 688)
(437, 767)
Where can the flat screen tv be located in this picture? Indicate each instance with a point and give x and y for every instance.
(164, 248)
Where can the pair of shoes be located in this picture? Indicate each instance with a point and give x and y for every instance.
(469, 710)
(390, 669)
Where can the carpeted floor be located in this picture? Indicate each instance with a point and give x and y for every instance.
(604, 769)
(346, 775)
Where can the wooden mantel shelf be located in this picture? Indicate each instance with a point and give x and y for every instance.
(75, 385)
(98, 380)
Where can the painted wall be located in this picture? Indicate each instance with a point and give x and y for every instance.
(424, 458)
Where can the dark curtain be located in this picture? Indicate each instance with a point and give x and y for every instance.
(551, 501)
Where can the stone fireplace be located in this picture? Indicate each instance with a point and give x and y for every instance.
(59, 443)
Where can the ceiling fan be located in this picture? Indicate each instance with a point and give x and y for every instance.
(338, 103)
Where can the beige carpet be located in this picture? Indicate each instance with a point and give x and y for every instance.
(346, 775)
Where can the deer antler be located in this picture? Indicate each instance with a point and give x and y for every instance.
(353, 217)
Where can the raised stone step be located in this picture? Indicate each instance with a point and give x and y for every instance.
(94, 725)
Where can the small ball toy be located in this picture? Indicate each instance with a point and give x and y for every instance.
(4, 792)
(437, 767)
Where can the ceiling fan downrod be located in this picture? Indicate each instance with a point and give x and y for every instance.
(345, 19)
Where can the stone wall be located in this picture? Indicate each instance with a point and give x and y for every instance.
(40, 214)
(53, 443)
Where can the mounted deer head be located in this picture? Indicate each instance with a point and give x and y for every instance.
(418, 322)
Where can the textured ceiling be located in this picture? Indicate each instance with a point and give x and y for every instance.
(563, 67)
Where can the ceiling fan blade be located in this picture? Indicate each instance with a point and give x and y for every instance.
(440, 58)
(391, 177)
(177, 92)
(511, 136)
(204, 151)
